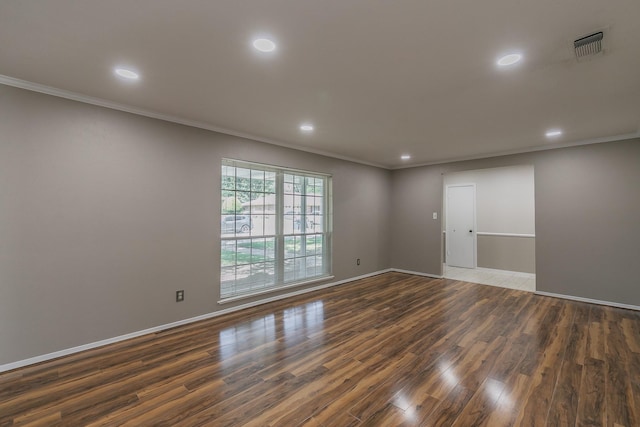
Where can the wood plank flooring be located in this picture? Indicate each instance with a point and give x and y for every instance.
(390, 350)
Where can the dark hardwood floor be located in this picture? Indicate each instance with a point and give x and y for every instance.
(390, 350)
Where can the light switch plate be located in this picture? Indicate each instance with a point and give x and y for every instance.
(435, 215)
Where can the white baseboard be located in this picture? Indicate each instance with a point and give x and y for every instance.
(416, 273)
(589, 300)
(84, 347)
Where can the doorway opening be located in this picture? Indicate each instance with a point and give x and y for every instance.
(489, 227)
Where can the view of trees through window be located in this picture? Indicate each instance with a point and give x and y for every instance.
(274, 227)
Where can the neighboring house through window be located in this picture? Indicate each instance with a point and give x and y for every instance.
(275, 227)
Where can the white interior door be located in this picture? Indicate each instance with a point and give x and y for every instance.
(461, 221)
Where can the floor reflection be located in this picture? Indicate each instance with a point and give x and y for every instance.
(495, 390)
(291, 325)
(389, 350)
(449, 374)
(303, 320)
(401, 401)
(247, 336)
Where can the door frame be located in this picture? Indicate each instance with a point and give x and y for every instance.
(475, 223)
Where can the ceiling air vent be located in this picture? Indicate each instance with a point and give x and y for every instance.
(588, 46)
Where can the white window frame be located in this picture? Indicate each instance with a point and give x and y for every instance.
(327, 215)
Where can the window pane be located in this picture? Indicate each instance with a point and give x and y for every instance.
(299, 268)
(225, 195)
(235, 224)
(243, 252)
(270, 271)
(229, 203)
(297, 224)
(319, 244)
(270, 203)
(243, 201)
(311, 245)
(243, 178)
(257, 225)
(269, 182)
(297, 204)
(257, 250)
(311, 266)
(228, 250)
(287, 224)
(227, 281)
(257, 203)
(288, 188)
(311, 186)
(251, 261)
(288, 204)
(270, 249)
(289, 273)
(257, 181)
(228, 177)
(316, 223)
(269, 224)
(290, 243)
(300, 246)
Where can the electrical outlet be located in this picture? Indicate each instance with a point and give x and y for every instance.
(358, 261)
(179, 296)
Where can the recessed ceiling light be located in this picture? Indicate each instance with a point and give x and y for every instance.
(405, 157)
(553, 133)
(127, 74)
(264, 45)
(509, 59)
(306, 127)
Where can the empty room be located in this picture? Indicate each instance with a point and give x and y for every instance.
(336, 213)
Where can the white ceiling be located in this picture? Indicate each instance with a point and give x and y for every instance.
(377, 78)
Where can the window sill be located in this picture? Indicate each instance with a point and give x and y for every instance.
(275, 289)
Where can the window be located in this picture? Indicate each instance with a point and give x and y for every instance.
(275, 227)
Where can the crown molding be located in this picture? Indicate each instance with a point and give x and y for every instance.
(74, 96)
(61, 93)
(525, 150)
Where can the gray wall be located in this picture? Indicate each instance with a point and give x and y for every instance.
(104, 215)
(587, 218)
(507, 253)
(503, 253)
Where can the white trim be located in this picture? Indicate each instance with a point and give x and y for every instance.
(272, 168)
(274, 289)
(416, 273)
(84, 347)
(475, 219)
(589, 300)
(61, 93)
(487, 233)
